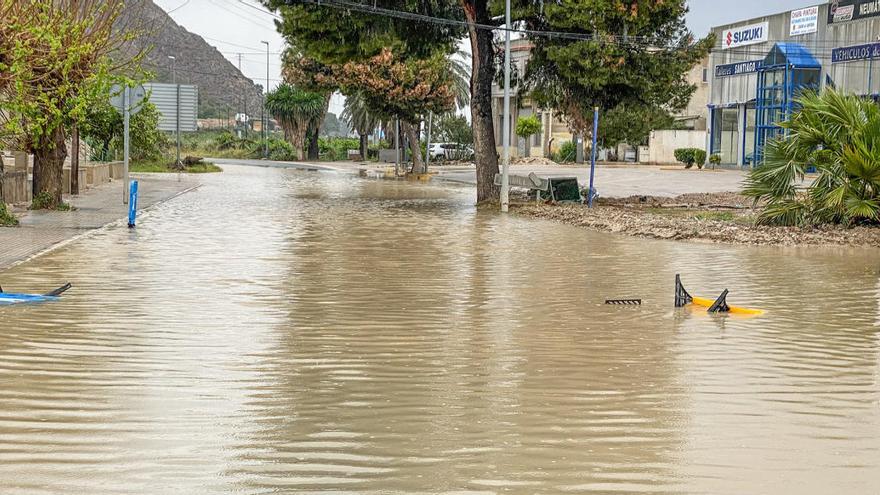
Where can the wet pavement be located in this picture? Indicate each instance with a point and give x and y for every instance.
(287, 331)
(95, 208)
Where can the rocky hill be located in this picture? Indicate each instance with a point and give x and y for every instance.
(222, 87)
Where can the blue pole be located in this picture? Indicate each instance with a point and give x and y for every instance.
(132, 204)
(593, 156)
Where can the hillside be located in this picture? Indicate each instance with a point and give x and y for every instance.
(222, 87)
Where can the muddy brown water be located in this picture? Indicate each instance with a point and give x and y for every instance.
(283, 331)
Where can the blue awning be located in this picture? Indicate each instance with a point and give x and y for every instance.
(793, 55)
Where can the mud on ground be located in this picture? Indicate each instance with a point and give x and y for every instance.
(722, 218)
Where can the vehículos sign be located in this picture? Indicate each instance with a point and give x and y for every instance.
(738, 69)
(745, 35)
(858, 52)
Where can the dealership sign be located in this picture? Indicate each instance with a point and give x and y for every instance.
(851, 10)
(745, 35)
(869, 51)
(738, 69)
(804, 21)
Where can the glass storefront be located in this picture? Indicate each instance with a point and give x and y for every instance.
(725, 134)
(749, 138)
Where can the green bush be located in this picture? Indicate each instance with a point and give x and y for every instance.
(528, 126)
(7, 219)
(335, 149)
(279, 150)
(567, 152)
(691, 156)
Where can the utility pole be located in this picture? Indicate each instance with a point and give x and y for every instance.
(505, 170)
(266, 113)
(177, 111)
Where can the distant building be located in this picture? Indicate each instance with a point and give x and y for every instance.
(554, 129)
(760, 65)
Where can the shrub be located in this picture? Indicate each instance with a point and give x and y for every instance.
(715, 160)
(527, 126)
(837, 134)
(7, 219)
(334, 149)
(567, 152)
(690, 156)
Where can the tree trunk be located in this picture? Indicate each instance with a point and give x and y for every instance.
(299, 138)
(410, 131)
(483, 71)
(74, 163)
(49, 155)
(364, 146)
(314, 149)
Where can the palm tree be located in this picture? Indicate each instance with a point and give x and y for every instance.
(839, 135)
(460, 72)
(361, 119)
(295, 109)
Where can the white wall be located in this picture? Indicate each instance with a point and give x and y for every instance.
(662, 145)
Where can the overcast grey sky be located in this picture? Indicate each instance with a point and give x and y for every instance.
(237, 27)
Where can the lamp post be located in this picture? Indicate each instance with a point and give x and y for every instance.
(505, 165)
(265, 94)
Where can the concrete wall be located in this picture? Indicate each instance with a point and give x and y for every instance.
(662, 145)
(18, 180)
(15, 187)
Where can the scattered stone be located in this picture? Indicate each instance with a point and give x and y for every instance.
(706, 218)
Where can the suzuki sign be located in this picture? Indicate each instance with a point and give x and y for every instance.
(745, 35)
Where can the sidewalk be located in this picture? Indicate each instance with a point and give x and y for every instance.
(97, 207)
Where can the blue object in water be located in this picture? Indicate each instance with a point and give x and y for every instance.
(132, 204)
(7, 298)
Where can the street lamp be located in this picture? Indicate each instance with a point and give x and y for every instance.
(505, 165)
(265, 112)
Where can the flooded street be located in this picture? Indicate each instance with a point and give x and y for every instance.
(283, 331)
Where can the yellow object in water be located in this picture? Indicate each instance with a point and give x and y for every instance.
(683, 298)
(702, 301)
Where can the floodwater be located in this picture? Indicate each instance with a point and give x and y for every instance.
(289, 331)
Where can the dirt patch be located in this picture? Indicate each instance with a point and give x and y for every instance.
(721, 218)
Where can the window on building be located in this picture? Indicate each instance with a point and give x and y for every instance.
(705, 75)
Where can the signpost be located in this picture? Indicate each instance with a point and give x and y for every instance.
(127, 101)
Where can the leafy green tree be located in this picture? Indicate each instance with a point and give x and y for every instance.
(103, 128)
(295, 109)
(629, 56)
(628, 123)
(452, 128)
(527, 126)
(837, 134)
(361, 50)
(54, 65)
(147, 141)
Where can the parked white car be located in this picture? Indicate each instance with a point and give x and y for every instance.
(450, 151)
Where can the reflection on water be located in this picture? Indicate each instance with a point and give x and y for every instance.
(281, 331)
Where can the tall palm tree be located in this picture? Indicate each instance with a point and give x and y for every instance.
(838, 135)
(361, 119)
(295, 109)
(460, 72)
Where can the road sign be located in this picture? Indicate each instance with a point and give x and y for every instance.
(178, 106)
(136, 98)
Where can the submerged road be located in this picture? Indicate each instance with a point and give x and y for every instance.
(287, 331)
